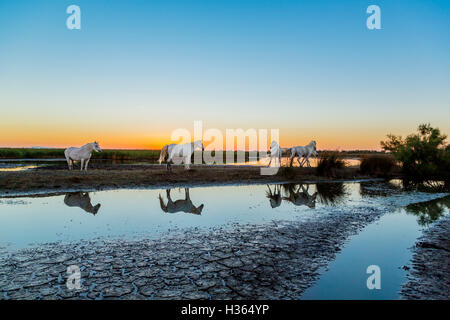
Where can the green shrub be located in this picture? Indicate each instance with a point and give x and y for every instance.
(377, 165)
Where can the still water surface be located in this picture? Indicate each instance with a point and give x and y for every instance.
(132, 214)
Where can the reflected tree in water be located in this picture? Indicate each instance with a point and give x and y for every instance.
(378, 188)
(81, 200)
(429, 211)
(185, 205)
(431, 186)
(383, 189)
(332, 193)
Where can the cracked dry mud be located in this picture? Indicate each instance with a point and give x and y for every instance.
(272, 261)
(429, 276)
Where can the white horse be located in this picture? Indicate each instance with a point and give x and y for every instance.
(303, 151)
(183, 151)
(81, 154)
(275, 153)
(164, 152)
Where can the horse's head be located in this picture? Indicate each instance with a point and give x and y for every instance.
(313, 144)
(97, 147)
(274, 146)
(312, 203)
(197, 210)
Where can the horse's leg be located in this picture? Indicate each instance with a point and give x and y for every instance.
(187, 162)
(82, 162)
(68, 162)
(270, 161)
(307, 161)
(298, 160)
(291, 159)
(303, 162)
(86, 164)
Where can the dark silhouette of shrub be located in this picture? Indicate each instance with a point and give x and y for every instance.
(377, 165)
(423, 154)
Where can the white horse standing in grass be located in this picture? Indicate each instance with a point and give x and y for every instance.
(303, 151)
(82, 154)
(275, 153)
(183, 151)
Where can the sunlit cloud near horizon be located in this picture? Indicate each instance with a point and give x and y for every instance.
(138, 70)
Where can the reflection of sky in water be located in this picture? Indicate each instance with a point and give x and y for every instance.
(386, 244)
(16, 167)
(137, 213)
(131, 213)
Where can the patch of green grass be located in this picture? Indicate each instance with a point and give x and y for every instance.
(108, 154)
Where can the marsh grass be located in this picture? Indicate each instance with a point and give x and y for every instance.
(329, 164)
(377, 165)
(106, 154)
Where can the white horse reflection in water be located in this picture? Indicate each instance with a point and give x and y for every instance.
(81, 200)
(299, 196)
(82, 154)
(275, 196)
(185, 205)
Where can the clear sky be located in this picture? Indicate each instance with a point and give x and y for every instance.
(137, 70)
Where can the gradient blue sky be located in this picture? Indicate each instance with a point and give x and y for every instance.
(139, 69)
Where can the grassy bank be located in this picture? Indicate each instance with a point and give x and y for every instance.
(108, 154)
(106, 177)
(123, 154)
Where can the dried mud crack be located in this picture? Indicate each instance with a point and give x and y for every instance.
(429, 276)
(272, 261)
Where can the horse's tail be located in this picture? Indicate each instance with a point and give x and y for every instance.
(163, 154)
(66, 153)
(287, 151)
(161, 203)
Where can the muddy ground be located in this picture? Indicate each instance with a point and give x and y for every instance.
(274, 261)
(429, 276)
(102, 177)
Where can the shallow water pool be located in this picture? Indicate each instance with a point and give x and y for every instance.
(31, 222)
